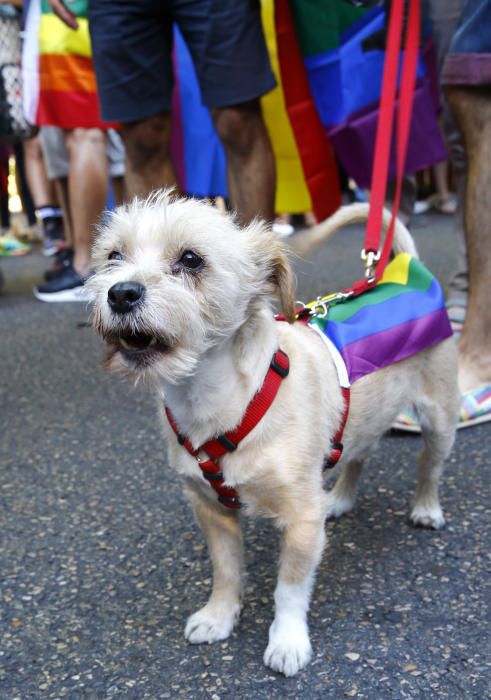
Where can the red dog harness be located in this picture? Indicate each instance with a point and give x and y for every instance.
(215, 448)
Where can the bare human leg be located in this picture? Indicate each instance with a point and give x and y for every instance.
(87, 189)
(61, 189)
(148, 162)
(251, 173)
(41, 187)
(472, 109)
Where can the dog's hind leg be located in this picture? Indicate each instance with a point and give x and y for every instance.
(217, 618)
(438, 432)
(341, 498)
(289, 647)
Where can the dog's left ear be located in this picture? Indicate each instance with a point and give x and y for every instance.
(272, 259)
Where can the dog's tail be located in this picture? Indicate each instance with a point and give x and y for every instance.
(352, 214)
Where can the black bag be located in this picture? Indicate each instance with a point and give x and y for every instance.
(13, 125)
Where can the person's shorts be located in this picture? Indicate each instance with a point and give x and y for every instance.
(468, 61)
(132, 53)
(56, 158)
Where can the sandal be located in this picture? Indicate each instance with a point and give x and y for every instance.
(456, 309)
(475, 408)
(445, 205)
(10, 246)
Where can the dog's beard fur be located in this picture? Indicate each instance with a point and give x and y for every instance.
(184, 313)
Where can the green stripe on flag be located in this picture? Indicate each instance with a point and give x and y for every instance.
(419, 278)
(319, 23)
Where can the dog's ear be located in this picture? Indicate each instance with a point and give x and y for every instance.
(272, 260)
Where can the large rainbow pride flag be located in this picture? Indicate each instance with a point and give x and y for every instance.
(335, 51)
(67, 86)
(307, 177)
(403, 314)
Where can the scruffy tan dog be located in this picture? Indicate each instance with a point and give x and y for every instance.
(183, 297)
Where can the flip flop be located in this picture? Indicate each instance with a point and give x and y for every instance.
(456, 309)
(445, 205)
(10, 246)
(475, 408)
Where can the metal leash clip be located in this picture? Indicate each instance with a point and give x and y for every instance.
(320, 307)
(370, 260)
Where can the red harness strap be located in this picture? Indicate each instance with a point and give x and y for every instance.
(337, 442)
(228, 442)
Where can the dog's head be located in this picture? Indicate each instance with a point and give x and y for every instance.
(175, 277)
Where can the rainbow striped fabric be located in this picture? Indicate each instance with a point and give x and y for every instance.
(402, 315)
(198, 155)
(67, 86)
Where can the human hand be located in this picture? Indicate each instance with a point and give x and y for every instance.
(61, 10)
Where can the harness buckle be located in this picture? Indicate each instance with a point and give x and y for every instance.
(279, 369)
(230, 501)
(335, 455)
(226, 443)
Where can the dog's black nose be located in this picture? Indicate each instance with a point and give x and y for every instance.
(124, 296)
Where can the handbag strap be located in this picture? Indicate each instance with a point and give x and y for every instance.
(374, 258)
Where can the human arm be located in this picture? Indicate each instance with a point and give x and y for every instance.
(62, 11)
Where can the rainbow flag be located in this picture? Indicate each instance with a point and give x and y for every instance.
(402, 315)
(329, 47)
(198, 155)
(67, 86)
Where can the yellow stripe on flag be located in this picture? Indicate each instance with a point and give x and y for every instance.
(397, 271)
(56, 38)
(292, 195)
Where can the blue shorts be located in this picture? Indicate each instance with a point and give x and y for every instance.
(132, 52)
(468, 61)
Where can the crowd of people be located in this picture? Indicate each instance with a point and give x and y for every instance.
(103, 107)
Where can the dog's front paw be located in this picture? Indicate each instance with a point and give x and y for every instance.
(430, 517)
(211, 624)
(337, 505)
(289, 647)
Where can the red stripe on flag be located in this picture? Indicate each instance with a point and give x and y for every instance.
(315, 152)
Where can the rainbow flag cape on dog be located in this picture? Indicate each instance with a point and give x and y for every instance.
(403, 314)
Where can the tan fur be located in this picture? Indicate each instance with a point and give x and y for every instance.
(221, 334)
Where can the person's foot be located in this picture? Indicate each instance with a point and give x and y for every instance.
(456, 309)
(66, 286)
(51, 246)
(282, 225)
(62, 260)
(53, 235)
(445, 204)
(9, 245)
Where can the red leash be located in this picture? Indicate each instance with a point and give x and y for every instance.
(376, 259)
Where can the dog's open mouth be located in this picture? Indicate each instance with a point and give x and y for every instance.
(139, 347)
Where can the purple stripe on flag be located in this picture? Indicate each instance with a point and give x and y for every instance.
(382, 349)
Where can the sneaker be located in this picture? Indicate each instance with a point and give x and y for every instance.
(52, 246)
(53, 235)
(63, 259)
(67, 286)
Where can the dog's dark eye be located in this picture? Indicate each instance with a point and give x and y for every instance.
(191, 261)
(115, 255)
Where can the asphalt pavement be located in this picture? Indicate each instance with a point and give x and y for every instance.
(101, 562)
